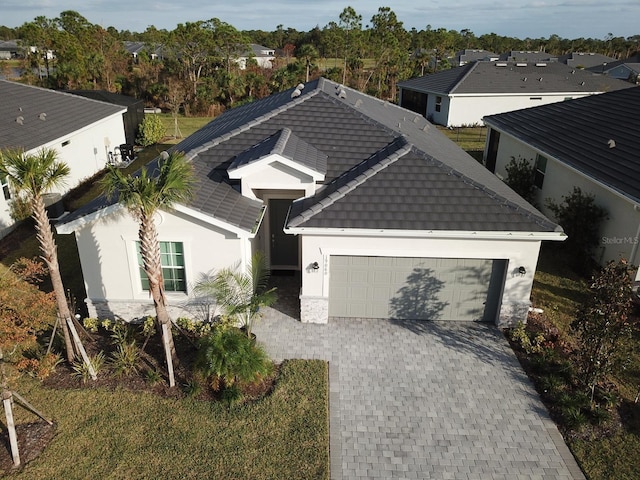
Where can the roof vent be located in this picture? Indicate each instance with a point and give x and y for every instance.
(20, 120)
(342, 93)
(524, 79)
(501, 64)
(540, 79)
(521, 64)
(300, 86)
(582, 83)
(358, 103)
(295, 93)
(541, 64)
(611, 143)
(572, 72)
(42, 116)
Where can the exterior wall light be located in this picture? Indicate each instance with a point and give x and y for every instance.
(522, 271)
(315, 266)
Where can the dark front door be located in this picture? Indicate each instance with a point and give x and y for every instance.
(283, 247)
(492, 151)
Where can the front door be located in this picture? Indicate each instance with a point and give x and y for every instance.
(283, 248)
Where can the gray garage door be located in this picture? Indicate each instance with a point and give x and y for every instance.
(415, 288)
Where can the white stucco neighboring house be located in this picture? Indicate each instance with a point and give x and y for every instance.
(264, 56)
(592, 143)
(462, 96)
(377, 211)
(82, 131)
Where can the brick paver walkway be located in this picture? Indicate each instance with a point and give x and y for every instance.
(422, 400)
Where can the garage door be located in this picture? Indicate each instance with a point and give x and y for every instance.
(415, 288)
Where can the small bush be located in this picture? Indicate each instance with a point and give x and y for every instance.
(40, 367)
(229, 356)
(152, 130)
(153, 377)
(125, 359)
(81, 369)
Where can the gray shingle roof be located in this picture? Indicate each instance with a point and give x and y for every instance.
(386, 167)
(514, 78)
(64, 115)
(578, 132)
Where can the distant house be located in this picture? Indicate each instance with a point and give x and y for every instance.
(464, 95)
(135, 109)
(527, 56)
(628, 69)
(82, 131)
(473, 55)
(263, 56)
(592, 143)
(370, 208)
(585, 60)
(136, 48)
(9, 49)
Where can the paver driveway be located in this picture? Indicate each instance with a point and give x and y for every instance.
(425, 400)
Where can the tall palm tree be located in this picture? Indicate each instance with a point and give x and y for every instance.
(33, 176)
(143, 195)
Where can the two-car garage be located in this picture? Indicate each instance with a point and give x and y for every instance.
(416, 288)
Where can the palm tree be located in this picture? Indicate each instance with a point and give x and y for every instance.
(143, 195)
(33, 176)
(307, 54)
(241, 293)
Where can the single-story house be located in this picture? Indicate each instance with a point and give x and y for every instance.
(132, 118)
(592, 143)
(263, 56)
(585, 60)
(628, 69)
(464, 95)
(82, 131)
(379, 213)
(9, 49)
(136, 48)
(469, 55)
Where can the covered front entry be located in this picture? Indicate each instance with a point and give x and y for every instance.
(415, 288)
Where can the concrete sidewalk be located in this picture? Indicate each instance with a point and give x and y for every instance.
(422, 400)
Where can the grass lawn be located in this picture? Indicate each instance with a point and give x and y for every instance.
(122, 434)
(470, 139)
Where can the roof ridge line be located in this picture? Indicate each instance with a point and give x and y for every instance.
(472, 67)
(249, 125)
(351, 185)
(284, 136)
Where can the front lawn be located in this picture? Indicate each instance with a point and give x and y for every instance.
(124, 434)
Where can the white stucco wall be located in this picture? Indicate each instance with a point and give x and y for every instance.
(517, 289)
(274, 175)
(109, 261)
(619, 233)
(85, 154)
(469, 109)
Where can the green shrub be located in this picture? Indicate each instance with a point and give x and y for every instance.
(152, 130)
(125, 359)
(229, 356)
(81, 369)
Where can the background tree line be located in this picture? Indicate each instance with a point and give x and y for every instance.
(197, 71)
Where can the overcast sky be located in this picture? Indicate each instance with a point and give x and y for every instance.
(516, 18)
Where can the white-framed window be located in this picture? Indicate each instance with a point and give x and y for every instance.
(438, 103)
(173, 271)
(6, 191)
(540, 170)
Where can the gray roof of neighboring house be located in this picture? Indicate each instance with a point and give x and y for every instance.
(386, 167)
(261, 51)
(525, 78)
(527, 56)
(471, 55)
(31, 117)
(578, 133)
(631, 63)
(9, 45)
(584, 60)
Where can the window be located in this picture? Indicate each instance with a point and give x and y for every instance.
(5, 188)
(541, 168)
(173, 272)
(438, 104)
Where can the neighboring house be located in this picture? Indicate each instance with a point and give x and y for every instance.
(379, 212)
(463, 95)
(9, 49)
(592, 143)
(263, 56)
(585, 60)
(628, 69)
(527, 56)
(470, 55)
(136, 48)
(82, 131)
(132, 118)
